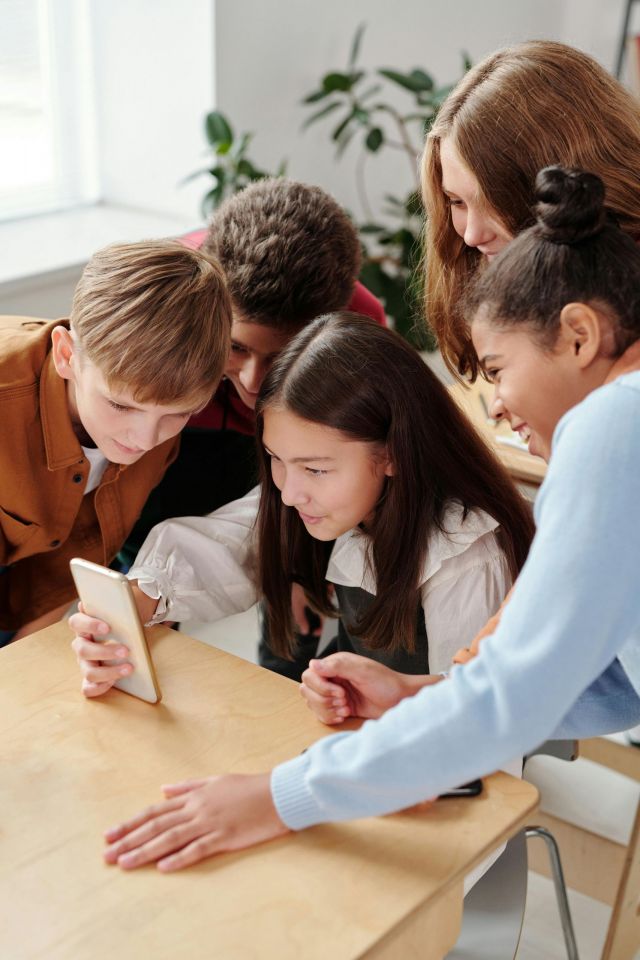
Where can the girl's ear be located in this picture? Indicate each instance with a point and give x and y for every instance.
(582, 330)
(389, 466)
(63, 352)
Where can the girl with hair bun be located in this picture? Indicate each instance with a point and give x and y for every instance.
(519, 110)
(555, 322)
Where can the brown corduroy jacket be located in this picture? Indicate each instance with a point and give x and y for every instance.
(45, 519)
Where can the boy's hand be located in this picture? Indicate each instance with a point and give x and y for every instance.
(198, 819)
(98, 677)
(347, 685)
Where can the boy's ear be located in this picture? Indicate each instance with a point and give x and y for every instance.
(389, 466)
(63, 352)
(581, 329)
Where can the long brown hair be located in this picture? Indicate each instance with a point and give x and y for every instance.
(346, 372)
(523, 108)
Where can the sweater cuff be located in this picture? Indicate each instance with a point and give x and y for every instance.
(291, 795)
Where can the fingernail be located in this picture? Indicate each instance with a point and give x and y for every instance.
(126, 860)
(121, 652)
(126, 670)
(103, 628)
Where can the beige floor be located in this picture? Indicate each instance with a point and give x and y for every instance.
(542, 934)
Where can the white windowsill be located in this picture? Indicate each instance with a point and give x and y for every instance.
(36, 248)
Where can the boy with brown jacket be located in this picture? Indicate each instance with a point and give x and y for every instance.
(90, 410)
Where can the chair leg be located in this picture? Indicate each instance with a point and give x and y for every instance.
(560, 887)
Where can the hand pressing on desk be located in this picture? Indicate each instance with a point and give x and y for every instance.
(199, 818)
(97, 677)
(347, 685)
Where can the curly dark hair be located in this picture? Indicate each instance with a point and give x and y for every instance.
(288, 250)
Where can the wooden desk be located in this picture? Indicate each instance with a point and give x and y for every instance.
(475, 399)
(381, 889)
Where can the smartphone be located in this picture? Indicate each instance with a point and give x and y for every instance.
(107, 595)
(471, 789)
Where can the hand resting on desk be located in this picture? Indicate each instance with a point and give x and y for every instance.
(198, 819)
(97, 678)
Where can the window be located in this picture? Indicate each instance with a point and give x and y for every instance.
(48, 160)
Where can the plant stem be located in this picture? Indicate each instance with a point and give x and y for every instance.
(406, 142)
(361, 185)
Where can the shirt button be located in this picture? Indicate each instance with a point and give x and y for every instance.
(54, 543)
(77, 478)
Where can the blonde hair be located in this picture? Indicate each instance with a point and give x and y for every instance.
(523, 108)
(154, 317)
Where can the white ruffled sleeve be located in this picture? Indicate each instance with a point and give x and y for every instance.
(201, 568)
(461, 595)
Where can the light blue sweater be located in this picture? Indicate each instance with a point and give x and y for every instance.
(564, 660)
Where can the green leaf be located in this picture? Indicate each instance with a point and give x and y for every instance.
(342, 126)
(420, 77)
(329, 108)
(413, 204)
(282, 168)
(467, 62)
(374, 139)
(245, 168)
(218, 173)
(217, 128)
(315, 96)
(341, 82)
(355, 45)
(371, 228)
(416, 84)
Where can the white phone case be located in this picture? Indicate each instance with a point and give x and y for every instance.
(107, 595)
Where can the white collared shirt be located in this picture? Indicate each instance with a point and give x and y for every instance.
(203, 568)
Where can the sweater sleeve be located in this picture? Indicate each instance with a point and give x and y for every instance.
(575, 605)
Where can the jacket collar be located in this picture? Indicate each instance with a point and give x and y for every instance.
(60, 442)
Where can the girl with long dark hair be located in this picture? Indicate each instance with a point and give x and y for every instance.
(374, 482)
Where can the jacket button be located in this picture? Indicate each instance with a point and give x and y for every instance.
(77, 478)
(54, 543)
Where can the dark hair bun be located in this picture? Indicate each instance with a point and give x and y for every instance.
(570, 204)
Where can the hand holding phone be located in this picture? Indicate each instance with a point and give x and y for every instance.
(107, 597)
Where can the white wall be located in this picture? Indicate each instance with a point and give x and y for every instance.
(595, 26)
(160, 65)
(154, 79)
(269, 54)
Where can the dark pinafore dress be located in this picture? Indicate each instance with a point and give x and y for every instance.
(352, 603)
